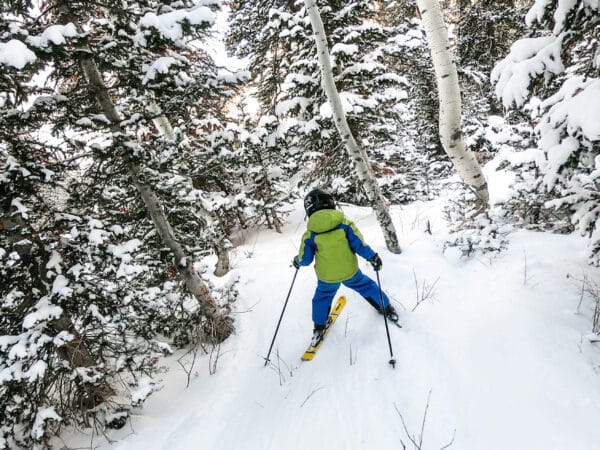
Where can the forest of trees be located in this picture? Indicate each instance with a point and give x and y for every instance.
(127, 158)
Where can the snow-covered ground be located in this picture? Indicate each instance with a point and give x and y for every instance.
(498, 347)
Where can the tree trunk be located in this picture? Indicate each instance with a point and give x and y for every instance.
(222, 266)
(450, 104)
(161, 122)
(358, 154)
(220, 326)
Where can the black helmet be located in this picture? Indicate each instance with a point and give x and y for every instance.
(316, 200)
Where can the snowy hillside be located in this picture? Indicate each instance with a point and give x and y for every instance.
(146, 147)
(498, 346)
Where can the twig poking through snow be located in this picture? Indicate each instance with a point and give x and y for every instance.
(417, 442)
(425, 292)
(310, 395)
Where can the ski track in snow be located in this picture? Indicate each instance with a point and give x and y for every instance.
(499, 348)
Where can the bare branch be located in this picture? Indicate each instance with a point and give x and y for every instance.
(310, 395)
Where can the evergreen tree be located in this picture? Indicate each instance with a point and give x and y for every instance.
(90, 284)
(278, 39)
(485, 31)
(554, 76)
(422, 161)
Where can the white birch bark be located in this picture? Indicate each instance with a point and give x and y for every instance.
(357, 154)
(450, 104)
(161, 122)
(220, 326)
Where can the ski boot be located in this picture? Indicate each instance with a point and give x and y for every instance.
(318, 333)
(390, 313)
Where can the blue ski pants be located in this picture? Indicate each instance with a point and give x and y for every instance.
(365, 286)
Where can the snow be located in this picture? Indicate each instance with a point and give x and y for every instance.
(37, 370)
(348, 49)
(15, 53)
(558, 155)
(537, 11)
(161, 65)
(54, 34)
(17, 202)
(144, 388)
(499, 346)
(97, 236)
(62, 338)
(285, 106)
(528, 58)
(561, 14)
(411, 39)
(169, 25)
(54, 262)
(39, 425)
(351, 103)
(124, 250)
(44, 310)
(577, 104)
(60, 286)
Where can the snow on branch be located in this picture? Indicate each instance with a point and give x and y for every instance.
(352, 104)
(571, 120)
(537, 12)
(577, 107)
(169, 25)
(55, 34)
(161, 66)
(15, 53)
(528, 59)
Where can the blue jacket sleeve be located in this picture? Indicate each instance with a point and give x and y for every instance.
(356, 241)
(307, 249)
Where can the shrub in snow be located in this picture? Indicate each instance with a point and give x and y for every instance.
(528, 205)
(554, 75)
(472, 231)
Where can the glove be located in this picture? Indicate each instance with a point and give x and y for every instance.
(376, 262)
(295, 262)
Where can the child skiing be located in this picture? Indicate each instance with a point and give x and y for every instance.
(333, 241)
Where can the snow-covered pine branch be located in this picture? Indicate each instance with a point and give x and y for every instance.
(554, 76)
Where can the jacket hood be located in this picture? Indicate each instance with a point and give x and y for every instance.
(325, 220)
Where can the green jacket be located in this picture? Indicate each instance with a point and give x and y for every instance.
(333, 241)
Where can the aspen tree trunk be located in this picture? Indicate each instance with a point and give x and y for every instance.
(161, 122)
(222, 266)
(450, 104)
(357, 153)
(220, 326)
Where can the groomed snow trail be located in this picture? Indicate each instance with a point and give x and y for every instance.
(498, 349)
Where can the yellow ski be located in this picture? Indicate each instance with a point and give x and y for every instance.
(309, 354)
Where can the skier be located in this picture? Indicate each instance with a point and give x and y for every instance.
(333, 241)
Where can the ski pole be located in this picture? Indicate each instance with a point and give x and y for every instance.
(281, 317)
(387, 330)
